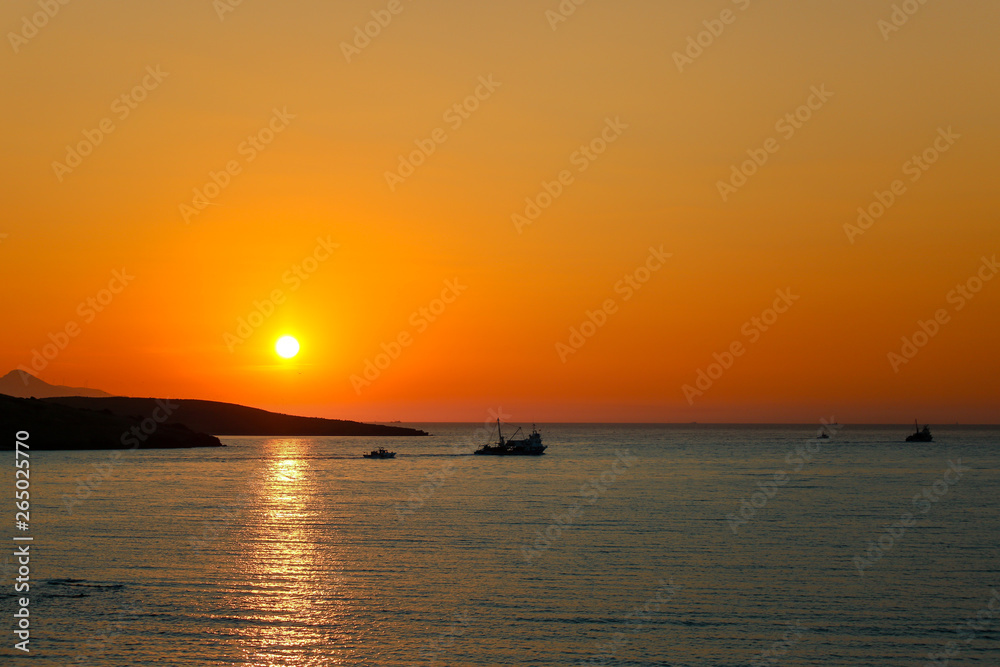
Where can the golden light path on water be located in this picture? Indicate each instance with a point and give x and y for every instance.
(295, 610)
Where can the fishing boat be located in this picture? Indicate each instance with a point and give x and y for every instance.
(530, 446)
(920, 435)
(380, 453)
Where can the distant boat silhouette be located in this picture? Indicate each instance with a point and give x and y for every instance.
(530, 446)
(920, 435)
(380, 453)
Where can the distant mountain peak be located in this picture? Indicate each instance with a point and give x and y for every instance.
(23, 384)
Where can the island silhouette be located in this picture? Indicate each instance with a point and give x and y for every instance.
(23, 384)
(103, 421)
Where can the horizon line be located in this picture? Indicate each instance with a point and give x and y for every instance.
(706, 423)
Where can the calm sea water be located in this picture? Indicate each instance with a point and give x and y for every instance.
(613, 548)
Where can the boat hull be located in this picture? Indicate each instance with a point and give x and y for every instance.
(500, 451)
(530, 446)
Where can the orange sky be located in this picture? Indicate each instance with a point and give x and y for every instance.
(328, 122)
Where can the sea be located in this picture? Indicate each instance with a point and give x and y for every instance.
(682, 545)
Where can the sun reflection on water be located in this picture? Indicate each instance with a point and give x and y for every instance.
(291, 609)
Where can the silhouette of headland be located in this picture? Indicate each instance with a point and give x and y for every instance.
(55, 426)
(232, 419)
(100, 420)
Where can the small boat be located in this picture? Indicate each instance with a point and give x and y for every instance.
(824, 435)
(380, 453)
(530, 446)
(920, 435)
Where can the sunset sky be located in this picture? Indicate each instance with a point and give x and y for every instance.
(308, 118)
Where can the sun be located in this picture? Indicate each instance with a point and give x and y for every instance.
(286, 347)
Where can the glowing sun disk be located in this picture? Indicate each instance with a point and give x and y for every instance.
(286, 347)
